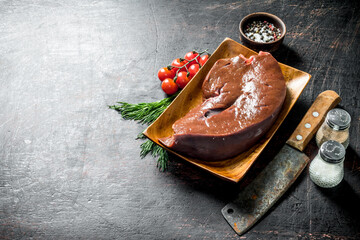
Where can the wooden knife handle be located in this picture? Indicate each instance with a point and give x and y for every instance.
(313, 118)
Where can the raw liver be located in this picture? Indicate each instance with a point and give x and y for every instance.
(242, 99)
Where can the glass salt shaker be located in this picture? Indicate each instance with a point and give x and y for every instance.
(335, 127)
(327, 168)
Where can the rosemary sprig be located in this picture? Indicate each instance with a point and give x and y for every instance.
(147, 113)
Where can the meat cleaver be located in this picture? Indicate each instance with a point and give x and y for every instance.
(273, 181)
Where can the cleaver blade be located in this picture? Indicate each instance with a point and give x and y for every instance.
(281, 172)
(262, 193)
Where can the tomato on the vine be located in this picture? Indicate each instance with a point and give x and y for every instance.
(203, 59)
(182, 79)
(193, 69)
(181, 70)
(178, 63)
(169, 86)
(164, 73)
(192, 55)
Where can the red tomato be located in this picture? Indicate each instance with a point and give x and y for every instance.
(178, 63)
(169, 86)
(164, 73)
(193, 69)
(192, 55)
(203, 59)
(182, 79)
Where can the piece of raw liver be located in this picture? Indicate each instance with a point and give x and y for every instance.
(242, 99)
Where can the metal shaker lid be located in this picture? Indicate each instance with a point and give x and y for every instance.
(332, 151)
(338, 119)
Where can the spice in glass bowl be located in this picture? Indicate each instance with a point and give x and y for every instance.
(262, 31)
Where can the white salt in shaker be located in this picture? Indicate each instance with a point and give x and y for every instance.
(335, 127)
(327, 168)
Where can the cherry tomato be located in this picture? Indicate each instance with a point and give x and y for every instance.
(182, 79)
(192, 55)
(169, 86)
(164, 73)
(178, 63)
(203, 59)
(193, 69)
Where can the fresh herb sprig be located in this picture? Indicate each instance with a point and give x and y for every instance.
(143, 112)
(156, 151)
(146, 113)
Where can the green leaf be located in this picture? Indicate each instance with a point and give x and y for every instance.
(143, 112)
(147, 113)
(155, 151)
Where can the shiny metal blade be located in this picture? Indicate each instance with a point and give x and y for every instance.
(261, 194)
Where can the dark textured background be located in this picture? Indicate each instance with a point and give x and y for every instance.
(70, 167)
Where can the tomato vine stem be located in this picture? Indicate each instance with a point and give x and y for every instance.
(188, 61)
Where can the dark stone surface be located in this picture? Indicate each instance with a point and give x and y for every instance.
(70, 167)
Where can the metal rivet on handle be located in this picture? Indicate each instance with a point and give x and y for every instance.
(307, 125)
(315, 114)
(299, 137)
